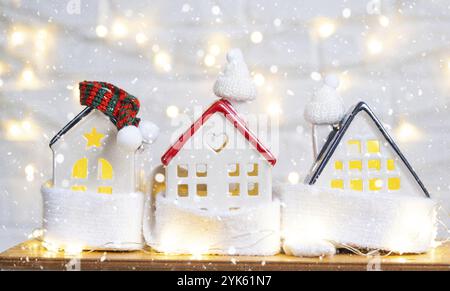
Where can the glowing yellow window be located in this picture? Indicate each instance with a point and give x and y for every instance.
(202, 190)
(80, 169)
(354, 146)
(183, 190)
(373, 146)
(337, 184)
(375, 184)
(355, 165)
(252, 169)
(104, 190)
(105, 170)
(234, 189)
(374, 164)
(233, 170)
(338, 165)
(253, 189)
(390, 165)
(356, 184)
(81, 188)
(394, 183)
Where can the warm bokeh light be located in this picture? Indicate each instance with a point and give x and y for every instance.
(259, 79)
(28, 79)
(162, 61)
(214, 49)
(29, 172)
(119, 28)
(384, 21)
(407, 132)
(324, 27)
(101, 31)
(17, 37)
(141, 38)
(274, 108)
(346, 12)
(293, 178)
(256, 37)
(375, 46)
(20, 130)
(209, 60)
(172, 111)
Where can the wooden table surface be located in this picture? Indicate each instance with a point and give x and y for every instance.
(31, 255)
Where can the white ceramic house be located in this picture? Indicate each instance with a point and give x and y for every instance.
(93, 201)
(86, 156)
(218, 164)
(360, 155)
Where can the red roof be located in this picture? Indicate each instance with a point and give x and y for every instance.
(224, 107)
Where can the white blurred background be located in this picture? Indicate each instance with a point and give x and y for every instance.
(393, 54)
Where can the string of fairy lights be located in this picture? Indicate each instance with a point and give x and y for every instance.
(28, 31)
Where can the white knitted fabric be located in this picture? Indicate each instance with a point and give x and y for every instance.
(308, 248)
(385, 221)
(326, 106)
(235, 83)
(93, 220)
(180, 230)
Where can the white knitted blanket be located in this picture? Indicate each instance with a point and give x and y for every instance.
(181, 230)
(92, 220)
(314, 217)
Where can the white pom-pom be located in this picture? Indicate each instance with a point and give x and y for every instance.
(234, 55)
(332, 81)
(129, 138)
(149, 130)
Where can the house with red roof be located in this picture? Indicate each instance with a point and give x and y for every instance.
(218, 163)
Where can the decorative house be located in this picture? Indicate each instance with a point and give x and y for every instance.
(360, 155)
(93, 200)
(361, 191)
(218, 194)
(218, 163)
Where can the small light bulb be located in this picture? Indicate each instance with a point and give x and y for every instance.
(101, 31)
(256, 37)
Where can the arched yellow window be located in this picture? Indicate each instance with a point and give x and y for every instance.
(80, 169)
(105, 171)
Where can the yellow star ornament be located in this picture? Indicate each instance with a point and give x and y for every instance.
(93, 138)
